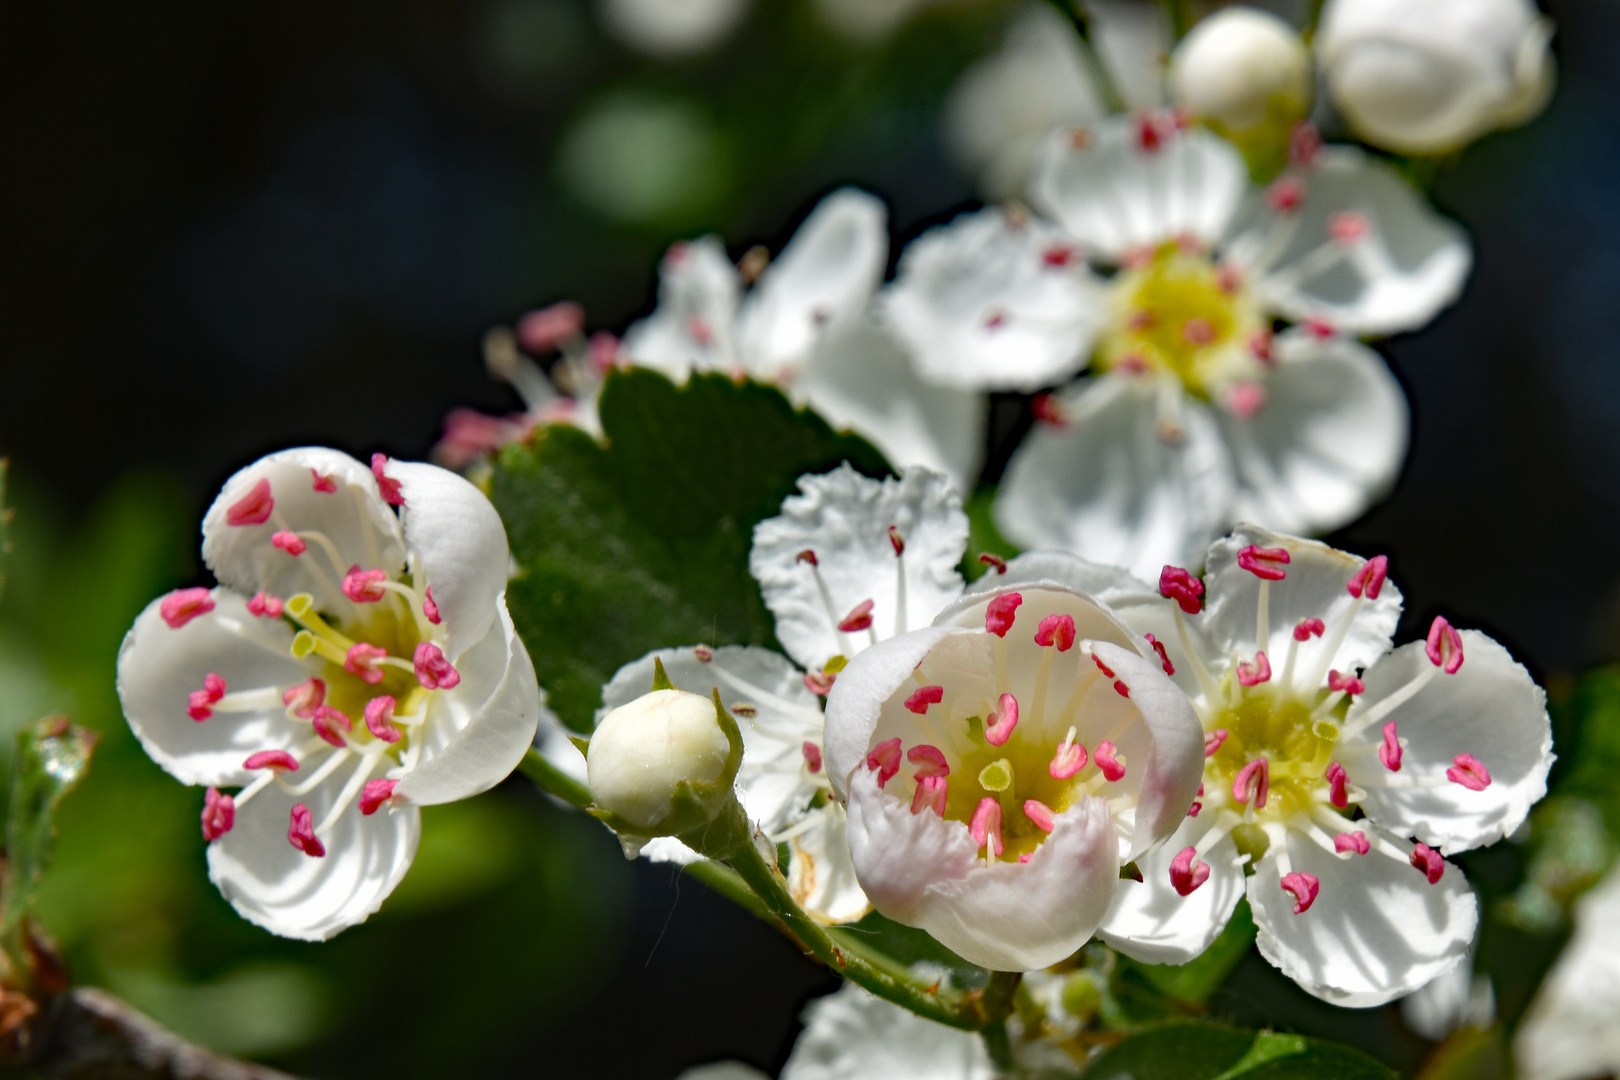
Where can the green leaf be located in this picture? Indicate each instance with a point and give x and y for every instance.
(1194, 1051)
(1194, 981)
(52, 756)
(643, 543)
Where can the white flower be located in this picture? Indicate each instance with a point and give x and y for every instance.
(1570, 1031)
(671, 28)
(1242, 69)
(1310, 717)
(643, 751)
(805, 325)
(1427, 76)
(350, 661)
(854, 1035)
(1198, 416)
(1034, 749)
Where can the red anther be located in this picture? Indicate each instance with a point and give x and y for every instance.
(364, 586)
(1319, 328)
(199, 704)
(545, 330)
(1264, 563)
(1470, 772)
(288, 541)
(1428, 860)
(302, 700)
(820, 683)
(1347, 226)
(1229, 277)
(374, 794)
(1002, 721)
(254, 508)
(1304, 144)
(1040, 815)
(264, 605)
(1102, 667)
(1187, 871)
(380, 718)
(703, 653)
(323, 484)
(897, 541)
(1304, 887)
(985, 826)
(812, 756)
(1213, 740)
(1056, 630)
(1197, 332)
(1112, 768)
(331, 724)
(700, 332)
(807, 555)
(1348, 684)
(1260, 345)
(1149, 136)
(930, 760)
(1369, 579)
(1164, 657)
(919, 701)
(1338, 785)
(1069, 759)
(1178, 585)
(432, 669)
(602, 352)
(1192, 811)
(301, 832)
(1352, 841)
(1049, 410)
(183, 605)
(1121, 689)
(859, 618)
(932, 793)
(1309, 628)
(1444, 646)
(363, 659)
(996, 561)
(1245, 398)
(1286, 194)
(1255, 672)
(218, 815)
(1389, 752)
(271, 759)
(1025, 857)
(1059, 255)
(676, 254)
(999, 615)
(995, 320)
(388, 489)
(430, 607)
(1252, 784)
(884, 759)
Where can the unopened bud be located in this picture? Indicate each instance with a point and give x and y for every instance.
(664, 763)
(1247, 74)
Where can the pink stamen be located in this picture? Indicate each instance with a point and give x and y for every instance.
(1352, 841)
(364, 586)
(432, 669)
(995, 320)
(198, 705)
(254, 508)
(363, 659)
(1187, 872)
(602, 352)
(884, 759)
(859, 618)
(1338, 785)
(1070, 758)
(1197, 332)
(897, 541)
(1444, 646)
(1369, 580)
(1121, 689)
(430, 607)
(1228, 278)
(1260, 345)
(289, 542)
(388, 489)
(1056, 630)
(1286, 195)
(1305, 144)
(380, 718)
(264, 605)
(703, 653)
(812, 757)
(985, 826)
(1025, 857)
(374, 794)
(305, 698)
(999, 615)
(1040, 814)
(926, 696)
(1049, 410)
(1347, 227)
(1164, 657)
(271, 759)
(932, 793)
(325, 484)
(1192, 811)
(1348, 684)
(995, 561)
(807, 556)
(699, 331)
(1059, 255)
(1428, 860)
(218, 815)
(1264, 563)
(820, 683)
(183, 605)
(1149, 137)
(331, 724)
(1178, 585)
(545, 330)
(930, 760)
(1319, 328)
(1245, 398)
(1255, 672)
(1102, 667)
(1131, 364)
(1470, 772)
(1002, 721)
(1252, 784)
(1304, 887)
(1112, 768)
(1309, 628)
(1213, 740)
(1390, 750)
(301, 832)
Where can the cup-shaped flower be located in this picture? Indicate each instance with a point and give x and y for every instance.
(353, 664)
(1001, 765)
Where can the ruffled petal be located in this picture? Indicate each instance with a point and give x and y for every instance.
(844, 518)
(1569, 1032)
(1328, 442)
(1151, 922)
(1107, 487)
(159, 667)
(995, 300)
(1491, 708)
(853, 1035)
(692, 328)
(1112, 194)
(362, 529)
(821, 874)
(274, 885)
(900, 856)
(1377, 929)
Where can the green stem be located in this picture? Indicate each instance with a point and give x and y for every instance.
(726, 881)
(553, 780)
(1101, 77)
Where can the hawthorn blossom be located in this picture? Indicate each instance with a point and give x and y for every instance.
(352, 665)
(1337, 769)
(1197, 414)
(1569, 1032)
(852, 1034)
(804, 325)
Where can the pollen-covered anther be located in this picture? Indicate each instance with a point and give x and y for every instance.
(265, 606)
(1002, 721)
(1264, 563)
(1309, 628)
(1049, 410)
(859, 618)
(985, 827)
(994, 561)
(1304, 887)
(897, 541)
(432, 670)
(1001, 612)
(1444, 646)
(1347, 684)
(430, 607)
(1470, 772)
(380, 718)
(1369, 580)
(1040, 815)
(1428, 860)
(279, 760)
(301, 832)
(1254, 672)
(1252, 784)
(1109, 761)
(254, 508)
(1353, 842)
(199, 706)
(1338, 785)
(932, 785)
(218, 814)
(1056, 630)
(332, 724)
(288, 541)
(364, 586)
(919, 701)
(812, 757)
(183, 605)
(1286, 194)
(1348, 227)
(1178, 585)
(1069, 759)
(365, 660)
(374, 794)
(302, 700)
(1164, 657)
(1213, 740)
(1245, 398)
(386, 487)
(884, 759)
(1389, 751)
(1187, 871)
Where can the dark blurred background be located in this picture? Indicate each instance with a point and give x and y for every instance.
(228, 228)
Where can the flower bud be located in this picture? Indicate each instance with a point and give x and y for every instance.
(664, 763)
(1247, 75)
(1426, 76)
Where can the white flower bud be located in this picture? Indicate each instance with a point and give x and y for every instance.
(642, 752)
(1425, 76)
(1241, 68)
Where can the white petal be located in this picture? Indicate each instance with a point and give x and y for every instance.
(845, 519)
(1149, 921)
(1569, 1032)
(1109, 489)
(853, 1035)
(362, 528)
(552, 741)
(821, 874)
(1315, 588)
(1412, 263)
(274, 885)
(1329, 440)
(1377, 930)
(1134, 40)
(899, 856)
(1491, 708)
(478, 731)
(159, 667)
(823, 278)
(693, 325)
(1112, 195)
(860, 377)
(453, 530)
(667, 849)
(994, 301)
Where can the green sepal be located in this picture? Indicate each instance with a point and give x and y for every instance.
(661, 677)
(581, 743)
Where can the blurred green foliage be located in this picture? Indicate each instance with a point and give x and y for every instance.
(1195, 1051)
